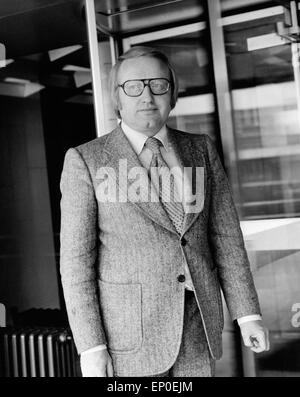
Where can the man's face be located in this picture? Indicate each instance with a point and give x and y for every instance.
(146, 113)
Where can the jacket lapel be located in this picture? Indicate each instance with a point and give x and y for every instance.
(192, 157)
(122, 160)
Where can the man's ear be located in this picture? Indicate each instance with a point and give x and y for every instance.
(119, 106)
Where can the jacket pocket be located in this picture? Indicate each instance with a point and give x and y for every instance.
(121, 310)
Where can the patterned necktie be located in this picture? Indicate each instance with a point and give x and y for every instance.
(166, 189)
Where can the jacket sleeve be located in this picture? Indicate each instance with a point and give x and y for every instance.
(227, 243)
(78, 252)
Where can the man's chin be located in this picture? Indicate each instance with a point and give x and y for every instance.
(151, 128)
(147, 126)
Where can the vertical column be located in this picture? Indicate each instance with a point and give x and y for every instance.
(223, 96)
(295, 48)
(95, 67)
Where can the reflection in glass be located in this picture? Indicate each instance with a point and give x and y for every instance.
(264, 96)
(46, 108)
(266, 122)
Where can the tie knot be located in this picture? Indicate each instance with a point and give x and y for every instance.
(154, 145)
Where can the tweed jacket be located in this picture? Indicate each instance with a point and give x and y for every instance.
(120, 259)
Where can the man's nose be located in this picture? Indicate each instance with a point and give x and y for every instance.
(147, 95)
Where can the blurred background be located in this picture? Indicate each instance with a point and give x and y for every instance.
(239, 75)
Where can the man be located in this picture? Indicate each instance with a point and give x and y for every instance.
(142, 278)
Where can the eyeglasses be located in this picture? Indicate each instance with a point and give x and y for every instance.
(134, 88)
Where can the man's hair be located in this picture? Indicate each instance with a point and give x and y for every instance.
(137, 52)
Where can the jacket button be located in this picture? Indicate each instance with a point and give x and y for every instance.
(181, 278)
(183, 241)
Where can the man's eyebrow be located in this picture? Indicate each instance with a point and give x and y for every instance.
(147, 78)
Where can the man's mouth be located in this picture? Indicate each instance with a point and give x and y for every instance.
(150, 110)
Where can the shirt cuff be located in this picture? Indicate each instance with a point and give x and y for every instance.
(252, 317)
(94, 349)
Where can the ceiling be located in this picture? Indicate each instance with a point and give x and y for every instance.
(29, 29)
(33, 26)
(124, 17)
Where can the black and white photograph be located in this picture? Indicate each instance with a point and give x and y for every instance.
(149, 191)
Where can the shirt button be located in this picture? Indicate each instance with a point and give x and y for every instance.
(183, 241)
(181, 278)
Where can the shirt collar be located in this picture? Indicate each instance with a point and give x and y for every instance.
(137, 139)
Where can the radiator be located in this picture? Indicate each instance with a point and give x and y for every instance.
(38, 352)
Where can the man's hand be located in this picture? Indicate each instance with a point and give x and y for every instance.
(96, 364)
(255, 336)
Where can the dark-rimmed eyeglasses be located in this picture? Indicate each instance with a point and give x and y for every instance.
(158, 86)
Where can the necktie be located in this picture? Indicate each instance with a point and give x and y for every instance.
(166, 189)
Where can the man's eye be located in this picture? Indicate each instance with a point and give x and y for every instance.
(159, 85)
(134, 86)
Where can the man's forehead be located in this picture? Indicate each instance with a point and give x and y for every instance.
(142, 68)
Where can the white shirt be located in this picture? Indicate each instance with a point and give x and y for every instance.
(137, 141)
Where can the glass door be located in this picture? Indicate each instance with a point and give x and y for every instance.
(263, 73)
(46, 107)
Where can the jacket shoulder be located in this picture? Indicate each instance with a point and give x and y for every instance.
(93, 148)
(203, 140)
(188, 134)
(93, 145)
